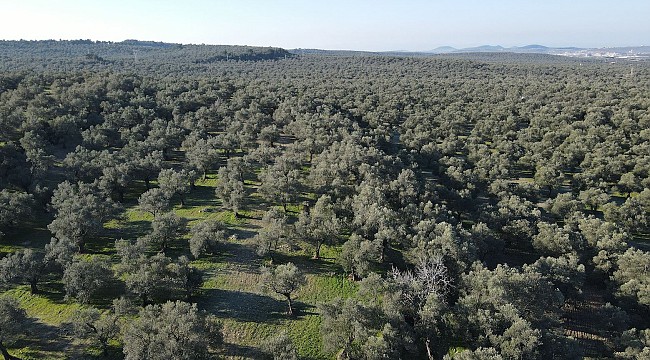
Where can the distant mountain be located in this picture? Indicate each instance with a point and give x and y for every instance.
(484, 48)
(443, 50)
(301, 51)
(530, 49)
(534, 47)
(153, 44)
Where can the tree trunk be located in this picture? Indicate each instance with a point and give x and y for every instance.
(82, 246)
(290, 302)
(6, 354)
(271, 252)
(146, 183)
(33, 288)
(317, 252)
(427, 343)
(104, 347)
(342, 355)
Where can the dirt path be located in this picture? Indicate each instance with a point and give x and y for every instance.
(583, 320)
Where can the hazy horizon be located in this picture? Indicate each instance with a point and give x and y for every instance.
(334, 25)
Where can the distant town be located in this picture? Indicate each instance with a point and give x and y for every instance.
(603, 53)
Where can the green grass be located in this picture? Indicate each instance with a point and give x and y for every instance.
(231, 288)
(46, 313)
(306, 337)
(250, 315)
(265, 314)
(7, 248)
(324, 288)
(294, 208)
(31, 353)
(48, 308)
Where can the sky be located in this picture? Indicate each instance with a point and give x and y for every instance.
(372, 25)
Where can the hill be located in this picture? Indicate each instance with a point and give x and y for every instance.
(47, 53)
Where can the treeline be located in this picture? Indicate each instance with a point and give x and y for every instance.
(472, 202)
(87, 54)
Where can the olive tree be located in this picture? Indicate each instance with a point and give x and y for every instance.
(166, 228)
(80, 212)
(173, 183)
(280, 347)
(320, 225)
(12, 324)
(358, 254)
(23, 267)
(14, 206)
(355, 330)
(206, 236)
(272, 234)
(201, 154)
(91, 324)
(154, 201)
(283, 280)
(173, 330)
(84, 277)
(230, 188)
(281, 181)
(633, 276)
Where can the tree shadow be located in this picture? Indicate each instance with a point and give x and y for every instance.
(322, 266)
(243, 351)
(31, 232)
(303, 309)
(52, 290)
(42, 339)
(104, 297)
(395, 257)
(130, 229)
(201, 195)
(245, 233)
(241, 254)
(254, 200)
(133, 192)
(103, 244)
(641, 241)
(243, 306)
(512, 257)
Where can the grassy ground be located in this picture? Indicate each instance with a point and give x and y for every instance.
(231, 290)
